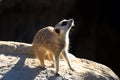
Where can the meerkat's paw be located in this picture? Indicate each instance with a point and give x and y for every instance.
(42, 67)
(72, 69)
(57, 74)
(52, 66)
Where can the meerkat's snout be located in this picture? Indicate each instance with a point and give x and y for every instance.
(66, 23)
(64, 26)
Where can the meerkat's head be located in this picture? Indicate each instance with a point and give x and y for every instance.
(64, 26)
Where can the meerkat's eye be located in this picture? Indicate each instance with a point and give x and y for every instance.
(64, 23)
(57, 30)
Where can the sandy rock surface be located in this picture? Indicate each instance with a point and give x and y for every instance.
(14, 47)
(22, 67)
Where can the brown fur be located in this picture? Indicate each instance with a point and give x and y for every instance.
(47, 41)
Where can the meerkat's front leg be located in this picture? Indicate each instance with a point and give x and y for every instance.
(65, 56)
(56, 63)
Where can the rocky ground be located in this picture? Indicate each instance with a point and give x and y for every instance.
(14, 66)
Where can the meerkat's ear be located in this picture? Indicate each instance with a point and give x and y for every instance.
(57, 30)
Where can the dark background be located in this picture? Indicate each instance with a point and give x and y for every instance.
(94, 36)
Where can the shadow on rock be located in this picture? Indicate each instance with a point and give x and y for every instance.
(20, 71)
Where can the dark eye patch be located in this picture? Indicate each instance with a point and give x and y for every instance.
(57, 30)
(64, 23)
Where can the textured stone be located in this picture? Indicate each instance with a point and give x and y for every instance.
(21, 67)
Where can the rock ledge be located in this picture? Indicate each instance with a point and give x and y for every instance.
(22, 67)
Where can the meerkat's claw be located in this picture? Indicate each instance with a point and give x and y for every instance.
(42, 67)
(52, 66)
(57, 74)
(72, 69)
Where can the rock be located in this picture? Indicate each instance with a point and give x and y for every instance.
(14, 47)
(21, 67)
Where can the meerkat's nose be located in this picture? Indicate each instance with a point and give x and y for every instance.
(71, 20)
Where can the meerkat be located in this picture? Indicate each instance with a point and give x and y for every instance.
(53, 41)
